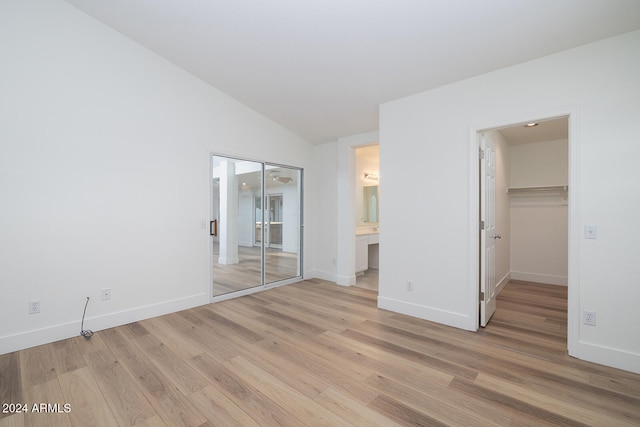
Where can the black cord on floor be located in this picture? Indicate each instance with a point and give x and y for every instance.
(88, 333)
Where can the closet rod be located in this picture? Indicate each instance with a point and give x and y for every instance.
(535, 189)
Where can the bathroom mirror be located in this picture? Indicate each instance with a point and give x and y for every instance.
(371, 202)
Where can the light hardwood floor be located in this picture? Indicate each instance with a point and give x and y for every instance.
(368, 280)
(279, 265)
(314, 353)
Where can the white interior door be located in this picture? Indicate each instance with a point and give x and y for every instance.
(488, 233)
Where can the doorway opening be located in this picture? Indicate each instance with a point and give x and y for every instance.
(256, 225)
(367, 215)
(524, 220)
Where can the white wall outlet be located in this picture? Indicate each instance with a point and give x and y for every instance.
(34, 306)
(589, 317)
(590, 232)
(106, 294)
(409, 285)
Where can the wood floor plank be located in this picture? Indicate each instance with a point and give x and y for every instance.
(207, 339)
(68, 355)
(245, 395)
(342, 378)
(88, 407)
(219, 409)
(182, 375)
(15, 420)
(308, 384)
(10, 381)
(408, 372)
(582, 414)
(504, 404)
(402, 413)
(46, 402)
(303, 408)
(439, 410)
(172, 407)
(356, 412)
(127, 402)
(175, 341)
(37, 366)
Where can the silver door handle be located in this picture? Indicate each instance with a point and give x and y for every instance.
(497, 236)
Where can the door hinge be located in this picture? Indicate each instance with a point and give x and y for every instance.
(481, 296)
(481, 154)
(481, 225)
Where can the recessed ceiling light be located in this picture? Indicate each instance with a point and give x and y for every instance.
(530, 125)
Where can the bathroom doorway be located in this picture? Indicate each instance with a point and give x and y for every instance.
(367, 214)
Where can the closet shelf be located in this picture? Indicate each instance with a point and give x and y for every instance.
(539, 189)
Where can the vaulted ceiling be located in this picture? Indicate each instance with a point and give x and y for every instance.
(321, 67)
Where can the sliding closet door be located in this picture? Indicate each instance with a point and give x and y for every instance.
(283, 215)
(236, 225)
(256, 224)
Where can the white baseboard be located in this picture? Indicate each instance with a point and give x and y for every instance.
(22, 340)
(540, 278)
(502, 283)
(607, 356)
(346, 280)
(323, 275)
(457, 320)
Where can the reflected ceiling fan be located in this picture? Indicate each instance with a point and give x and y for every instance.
(275, 176)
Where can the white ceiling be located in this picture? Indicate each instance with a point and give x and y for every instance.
(545, 130)
(322, 67)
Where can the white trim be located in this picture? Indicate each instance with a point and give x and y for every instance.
(502, 283)
(62, 331)
(608, 356)
(573, 281)
(573, 270)
(255, 289)
(450, 318)
(346, 280)
(473, 293)
(540, 278)
(323, 275)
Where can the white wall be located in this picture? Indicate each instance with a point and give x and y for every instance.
(104, 174)
(539, 163)
(539, 221)
(322, 200)
(430, 138)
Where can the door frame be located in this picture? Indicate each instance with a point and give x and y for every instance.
(208, 239)
(345, 273)
(573, 282)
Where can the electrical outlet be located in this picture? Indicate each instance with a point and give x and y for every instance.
(409, 285)
(589, 317)
(34, 306)
(106, 294)
(590, 232)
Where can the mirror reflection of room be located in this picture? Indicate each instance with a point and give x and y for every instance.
(367, 212)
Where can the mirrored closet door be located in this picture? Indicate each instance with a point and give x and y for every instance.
(256, 224)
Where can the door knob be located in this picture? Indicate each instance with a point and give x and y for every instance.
(497, 236)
